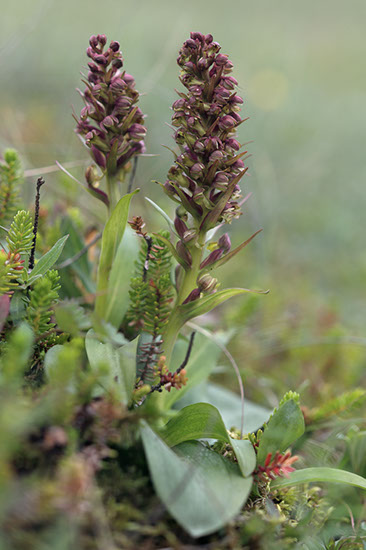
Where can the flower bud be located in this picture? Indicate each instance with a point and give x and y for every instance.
(130, 81)
(224, 243)
(216, 155)
(91, 175)
(226, 122)
(184, 253)
(197, 170)
(114, 46)
(100, 59)
(194, 295)
(180, 226)
(102, 39)
(93, 41)
(221, 59)
(212, 258)
(98, 157)
(189, 235)
(117, 63)
(137, 131)
(206, 283)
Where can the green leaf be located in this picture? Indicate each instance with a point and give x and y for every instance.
(81, 267)
(17, 307)
(194, 422)
(326, 475)
(119, 362)
(119, 279)
(203, 421)
(201, 363)
(285, 426)
(229, 405)
(48, 260)
(201, 489)
(162, 213)
(245, 454)
(206, 304)
(111, 239)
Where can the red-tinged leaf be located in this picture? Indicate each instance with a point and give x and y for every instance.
(4, 309)
(231, 254)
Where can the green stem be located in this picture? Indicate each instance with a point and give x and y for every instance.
(112, 191)
(189, 283)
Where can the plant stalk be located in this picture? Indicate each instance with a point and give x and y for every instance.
(189, 283)
(112, 191)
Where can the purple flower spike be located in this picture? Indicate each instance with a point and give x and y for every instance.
(205, 118)
(110, 124)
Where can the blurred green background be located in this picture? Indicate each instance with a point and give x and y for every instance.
(300, 66)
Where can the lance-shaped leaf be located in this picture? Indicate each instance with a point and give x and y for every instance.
(201, 489)
(206, 304)
(232, 253)
(317, 475)
(163, 214)
(203, 421)
(48, 260)
(284, 427)
(111, 239)
(119, 278)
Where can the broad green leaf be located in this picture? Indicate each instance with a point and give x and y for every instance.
(201, 363)
(206, 304)
(194, 422)
(111, 239)
(119, 279)
(245, 454)
(285, 426)
(201, 489)
(322, 474)
(229, 405)
(119, 363)
(48, 260)
(203, 421)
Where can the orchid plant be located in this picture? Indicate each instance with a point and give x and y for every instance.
(134, 355)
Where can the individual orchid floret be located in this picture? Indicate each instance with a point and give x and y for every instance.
(110, 123)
